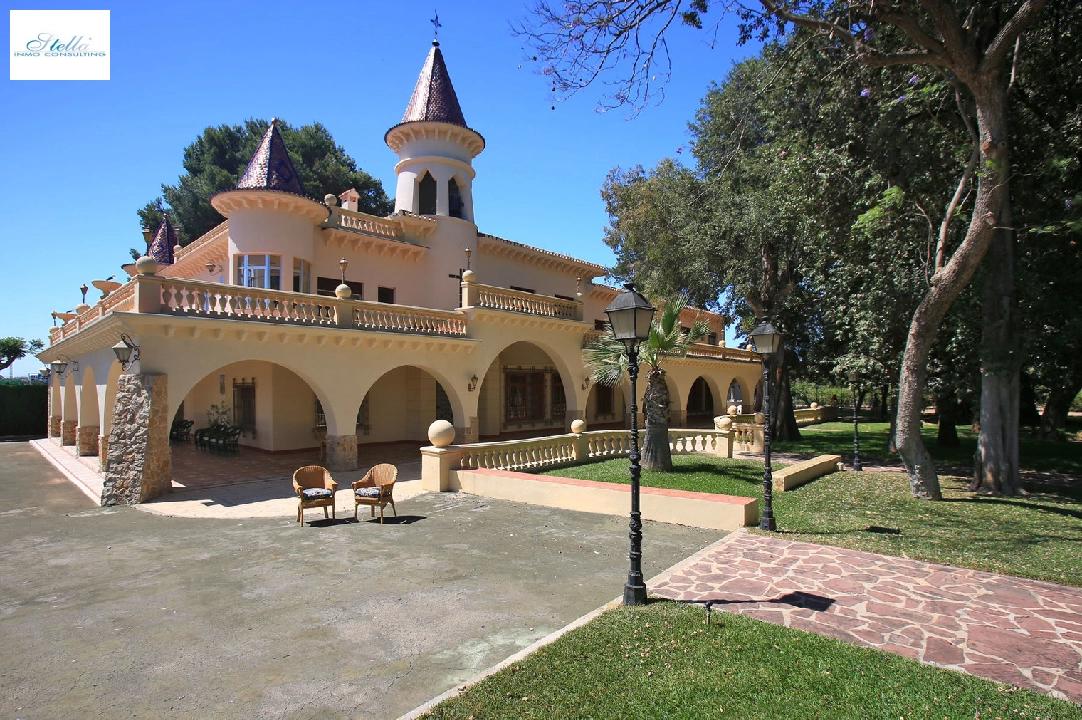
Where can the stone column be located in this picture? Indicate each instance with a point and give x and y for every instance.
(472, 433)
(87, 440)
(342, 452)
(67, 432)
(139, 464)
(54, 426)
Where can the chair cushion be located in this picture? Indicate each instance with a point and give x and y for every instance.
(316, 493)
(368, 492)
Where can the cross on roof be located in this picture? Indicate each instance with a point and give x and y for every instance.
(436, 25)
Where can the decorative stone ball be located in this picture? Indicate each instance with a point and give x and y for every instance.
(760, 419)
(441, 433)
(467, 276)
(815, 406)
(176, 249)
(723, 423)
(343, 292)
(732, 410)
(81, 308)
(330, 200)
(146, 265)
(578, 426)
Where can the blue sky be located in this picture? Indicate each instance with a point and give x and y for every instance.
(80, 158)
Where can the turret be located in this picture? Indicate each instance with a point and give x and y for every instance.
(435, 148)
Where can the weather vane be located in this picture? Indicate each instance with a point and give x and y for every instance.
(436, 24)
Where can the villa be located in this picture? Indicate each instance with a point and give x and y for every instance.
(317, 325)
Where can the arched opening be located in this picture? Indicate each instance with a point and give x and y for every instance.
(700, 405)
(244, 411)
(735, 397)
(522, 394)
(454, 199)
(758, 402)
(605, 407)
(426, 195)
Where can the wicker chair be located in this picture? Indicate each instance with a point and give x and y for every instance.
(376, 488)
(315, 488)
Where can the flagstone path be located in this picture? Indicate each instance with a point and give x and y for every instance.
(1023, 632)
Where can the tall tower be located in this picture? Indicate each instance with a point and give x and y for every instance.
(435, 148)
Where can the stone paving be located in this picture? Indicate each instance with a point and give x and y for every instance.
(1023, 632)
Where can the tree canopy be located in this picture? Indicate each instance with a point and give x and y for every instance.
(218, 157)
(14, 348)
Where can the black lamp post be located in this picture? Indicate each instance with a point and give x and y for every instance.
(630, 315)
(766, 341)
(854, 378)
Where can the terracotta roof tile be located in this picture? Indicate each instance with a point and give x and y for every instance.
(161, 247)
(270, 167)
(434, 98)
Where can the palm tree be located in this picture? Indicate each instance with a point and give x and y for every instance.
(607, 357)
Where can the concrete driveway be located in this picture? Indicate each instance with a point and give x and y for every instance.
(113, 612)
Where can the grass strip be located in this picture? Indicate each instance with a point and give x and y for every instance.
(662, 661)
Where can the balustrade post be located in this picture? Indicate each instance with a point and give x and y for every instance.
(470, 289)
(436, 466)
(148, 294)
(343, 313)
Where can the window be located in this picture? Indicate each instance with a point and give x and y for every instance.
(712, 339)
(259, 271)
(604, 400)
(525, 395)
(385, 295)
(426, 195)
(326, 286)
(302, 276)
(557, 398)
(244, 405)
(454, 199)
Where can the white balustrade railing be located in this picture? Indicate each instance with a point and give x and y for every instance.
(367, 223)
(405, 319)
(557, 450)
(497, 298)
(215, 300)
(520, 454)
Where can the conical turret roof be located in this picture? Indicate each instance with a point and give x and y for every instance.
(434, 98)
(270, 167)
(161, 247)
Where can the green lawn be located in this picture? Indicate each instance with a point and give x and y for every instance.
(1036, 536)
(837, 437)
(699, 473)
(663, 661)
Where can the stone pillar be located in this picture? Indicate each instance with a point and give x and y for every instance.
(436, 466)
(87, 440)
(724, 445)
(342, 453)
(54, 426)
(67, 432)
(472, 433)
(139, 464)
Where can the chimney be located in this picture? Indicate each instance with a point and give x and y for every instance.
(351, 200)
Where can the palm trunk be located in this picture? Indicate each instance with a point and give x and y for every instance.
(655, 405)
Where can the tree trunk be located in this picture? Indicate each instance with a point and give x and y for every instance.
(783, 425)
(1058, 405)
(997, 469)
(655, 406)
(946, 409)
(990, 96)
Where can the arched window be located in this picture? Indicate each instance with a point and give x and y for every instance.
(454, 199)
(426, 195)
